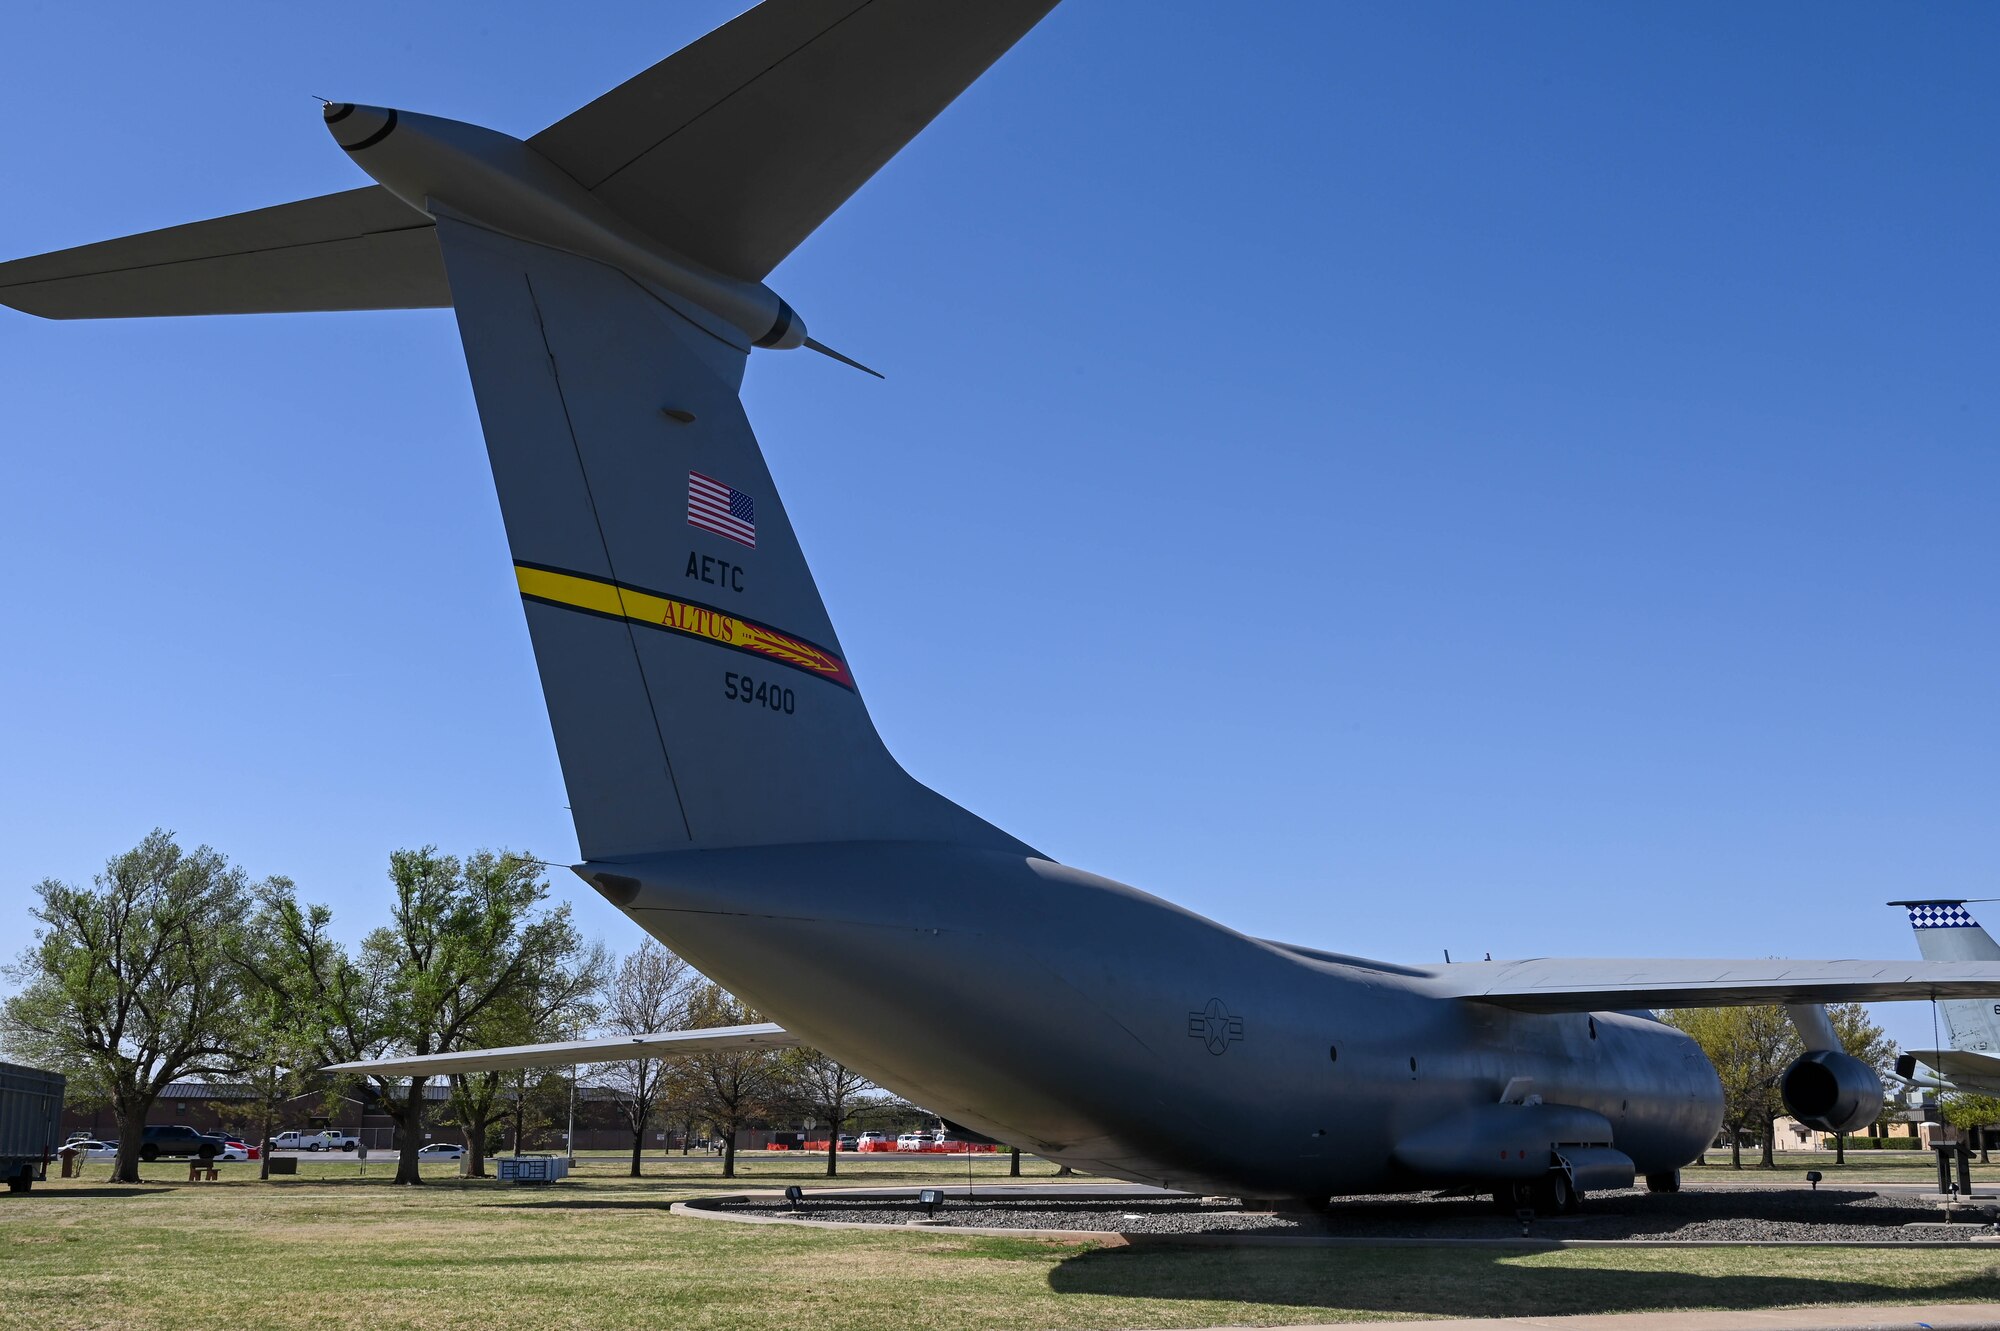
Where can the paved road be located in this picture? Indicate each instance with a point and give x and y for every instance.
(1942, 1317)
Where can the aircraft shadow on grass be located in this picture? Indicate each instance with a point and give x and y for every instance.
(113, 1190)
(1462, 1282)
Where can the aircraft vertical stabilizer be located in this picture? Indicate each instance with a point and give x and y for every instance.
(1946, 931)
(699, 695)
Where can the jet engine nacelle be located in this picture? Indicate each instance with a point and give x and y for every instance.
(1830, 1091)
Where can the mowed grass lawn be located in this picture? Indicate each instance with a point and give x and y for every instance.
(340, 1246)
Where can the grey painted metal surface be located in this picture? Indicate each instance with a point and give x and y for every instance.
(565, 1053)
(31, 1103)
(732, 795)
(361, 250)
(1947, 931)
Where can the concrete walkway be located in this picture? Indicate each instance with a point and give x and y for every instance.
(1942, 1317)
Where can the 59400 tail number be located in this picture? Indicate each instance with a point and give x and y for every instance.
(758, 693)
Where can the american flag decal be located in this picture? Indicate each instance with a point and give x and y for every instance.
(722, 509)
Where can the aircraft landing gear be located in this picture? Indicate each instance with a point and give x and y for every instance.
(1551, 1194)
(1556, 1195)
(1667, 1182)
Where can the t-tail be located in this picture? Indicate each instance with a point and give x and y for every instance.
(1947, 931)
(608, 276)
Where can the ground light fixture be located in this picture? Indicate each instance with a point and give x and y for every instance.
(794, 1195)
(930, 1199)
(1813, 1176)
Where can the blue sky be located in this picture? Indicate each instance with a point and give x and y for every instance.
(1489, 477)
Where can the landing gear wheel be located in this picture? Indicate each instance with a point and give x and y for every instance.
(1667, 1182)
(1513, 1198)
(1555, 1195)
(21, 1182)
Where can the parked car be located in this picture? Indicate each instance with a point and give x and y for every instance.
(877, 1140)
(914, 1141)
(846, 1142)
(89, 1148)
(229, 1148)
(440, 1151)
(176, 1139)
(332, 1139)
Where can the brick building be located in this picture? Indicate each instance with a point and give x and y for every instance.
(226, 1107)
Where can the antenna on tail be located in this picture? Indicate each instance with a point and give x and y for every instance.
(814, 344)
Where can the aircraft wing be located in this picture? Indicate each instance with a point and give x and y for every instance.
(1963, 1068)
(1564, 984)
(736, 147)
(364, 249)
(564, 1053)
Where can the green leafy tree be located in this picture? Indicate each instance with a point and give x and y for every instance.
(1750, 1048)
(128, 986)
(273, 1052)
(1864, 1039)
(650, 992)
(1971, 1114)
(730, 1090)
(557, 999)
(463, 937)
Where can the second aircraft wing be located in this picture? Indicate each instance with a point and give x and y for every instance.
(1590, 984)
(565, 1053)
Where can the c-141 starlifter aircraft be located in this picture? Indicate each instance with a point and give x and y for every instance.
(729, 790)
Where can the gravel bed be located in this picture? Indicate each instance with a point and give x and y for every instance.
(1733, 1215)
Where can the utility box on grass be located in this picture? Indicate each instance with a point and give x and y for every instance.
(532, 1168)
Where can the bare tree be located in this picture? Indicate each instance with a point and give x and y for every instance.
(824, 1085)
(651, 992)
(128, 985)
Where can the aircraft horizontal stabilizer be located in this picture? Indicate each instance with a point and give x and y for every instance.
(565, 1053)
(1568, 984)
(1959, 1065)
(361, 250)
(735, 148)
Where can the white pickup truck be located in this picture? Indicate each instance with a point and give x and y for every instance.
(330, 1140)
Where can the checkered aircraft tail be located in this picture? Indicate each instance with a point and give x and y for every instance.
(1946, 931)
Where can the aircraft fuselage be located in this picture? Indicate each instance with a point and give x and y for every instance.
(1111, 1030)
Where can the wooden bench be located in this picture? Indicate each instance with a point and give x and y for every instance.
(201, 1171)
